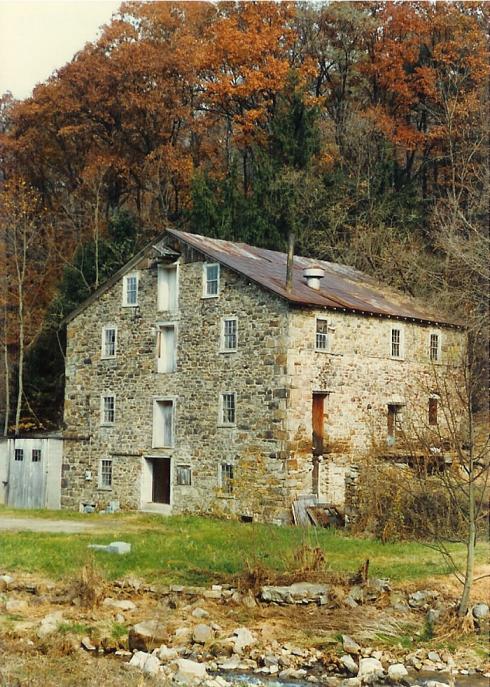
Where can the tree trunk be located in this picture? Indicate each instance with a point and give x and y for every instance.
(7, 380)
(20, 370)
(290, 260)
(471, 540)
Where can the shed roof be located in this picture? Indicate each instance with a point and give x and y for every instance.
(342, 288)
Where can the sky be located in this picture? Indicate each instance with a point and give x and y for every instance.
(39, 36)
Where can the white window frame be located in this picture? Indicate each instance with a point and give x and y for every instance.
(101, 485)
(401, 344)
(130, 275)
(160, 304)
(205, 280)
(439, 346)
(230, 491)
(221, 420)
(103, 421)
(183, 466)
(155, 442)
(159, 327)
(103, 354)
(327, 339)
(223, 348)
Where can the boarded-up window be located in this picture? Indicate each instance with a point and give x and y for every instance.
(167, 288)
(394, 422)
(167, 351)
(184, 476)
(211, 280)
(163, 424)
(433, 407)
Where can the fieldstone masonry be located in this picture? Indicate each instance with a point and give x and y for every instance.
(273, 373)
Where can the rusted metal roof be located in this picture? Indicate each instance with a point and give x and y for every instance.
(342, 287)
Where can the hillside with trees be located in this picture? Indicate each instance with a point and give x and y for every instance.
(361, 128)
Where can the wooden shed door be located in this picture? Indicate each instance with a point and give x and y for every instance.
(26, 484)
(318, 412)
(161, 480)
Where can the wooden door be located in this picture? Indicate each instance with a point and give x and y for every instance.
(317, 415)
(161, 480)
(26, 484)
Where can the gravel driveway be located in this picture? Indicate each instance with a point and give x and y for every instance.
(41, 525)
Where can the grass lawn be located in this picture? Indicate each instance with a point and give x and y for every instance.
(197, 550)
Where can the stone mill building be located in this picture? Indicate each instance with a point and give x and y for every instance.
(196, 381)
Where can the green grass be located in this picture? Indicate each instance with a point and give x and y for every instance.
(75, 628)
(197, 550)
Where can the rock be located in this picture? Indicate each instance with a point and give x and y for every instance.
(350, 602)
(351, 682)
(421, 598)
(183, 633)
(202, 634)
(380, 584)
(49, 624)
(148, 663)
(5, 582)
(249, 601)
(118, 547)
(434, 657)
(435, 683)
(189, 672)
(147, 635)
(120, 604)
(167, 654)
(87, 644)
(242, 639)
(349, 664)
(433, 615)
(350, 645)
(212, 594)
(14, 606)
(230, 664)
(370, 668)
(397, 672)
(200, 613)
(480, 611)
(300, 592)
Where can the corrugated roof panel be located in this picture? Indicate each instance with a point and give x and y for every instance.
(342, 287)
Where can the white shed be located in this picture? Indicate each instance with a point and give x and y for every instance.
(30, 471)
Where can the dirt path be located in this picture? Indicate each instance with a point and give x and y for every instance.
(40, 525)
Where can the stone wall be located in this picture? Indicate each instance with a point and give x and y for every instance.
(360, 379)
(256, 373)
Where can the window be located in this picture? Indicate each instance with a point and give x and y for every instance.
(36, 455)
(183, 475)
(228, 408)
(108, 410)
(434, 348)
(396, 343)
(166, 348)
(130, 289)
(321, 343)
(19, 454)
(105, 474)
(211, 280)
(167, 288)
(108, 342)
(394, 422)
(229, 333)
(163, 424)
(433, 407)
(226, 478)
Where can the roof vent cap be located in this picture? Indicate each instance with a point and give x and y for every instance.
(313, 276)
